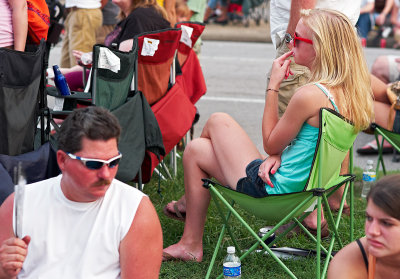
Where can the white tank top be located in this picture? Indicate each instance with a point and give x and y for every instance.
(75, 240)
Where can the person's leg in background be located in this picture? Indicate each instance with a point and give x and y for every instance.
(364, 25)
(386, 68)
(65, 51)
(81, 32)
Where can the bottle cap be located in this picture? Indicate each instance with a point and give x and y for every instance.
(231, 249)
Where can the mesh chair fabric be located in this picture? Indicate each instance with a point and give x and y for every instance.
(20, 77)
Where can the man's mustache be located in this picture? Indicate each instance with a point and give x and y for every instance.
(102, 182)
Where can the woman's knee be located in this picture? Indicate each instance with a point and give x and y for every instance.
(218, 119)
(193, 150)
(380, 68)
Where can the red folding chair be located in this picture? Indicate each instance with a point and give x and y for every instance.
(156, 54)
(191, 79)
(171, 106)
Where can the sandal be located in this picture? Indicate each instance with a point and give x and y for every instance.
(371, 149)
(176, 214)
(297, 230)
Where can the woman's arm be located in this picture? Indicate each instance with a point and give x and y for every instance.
(20, 23)
(380, 20)
(368, 8)
(278, 133)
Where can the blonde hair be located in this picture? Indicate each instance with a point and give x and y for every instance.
(340, 63)
(144, 3)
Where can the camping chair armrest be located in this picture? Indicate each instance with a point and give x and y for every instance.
(207, 183)
(52, 91)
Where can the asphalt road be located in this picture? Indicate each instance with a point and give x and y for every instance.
(235, 74)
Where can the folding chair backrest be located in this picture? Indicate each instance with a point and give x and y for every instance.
(21, 74)
(112, 75)
(191, 77)
(191, 32)
(336, 137)
(37, 165)
(156, 52)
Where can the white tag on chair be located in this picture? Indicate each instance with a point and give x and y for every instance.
(150, 47)
(108, 60)
(186, 35)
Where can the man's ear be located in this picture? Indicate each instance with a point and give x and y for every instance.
(61, 157)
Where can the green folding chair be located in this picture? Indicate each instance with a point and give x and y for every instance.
(391, 137)
(335, 140)
(109, 85)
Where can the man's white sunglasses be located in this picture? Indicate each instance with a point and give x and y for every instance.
(95, 164)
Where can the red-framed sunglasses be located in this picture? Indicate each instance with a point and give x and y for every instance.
(296, 38)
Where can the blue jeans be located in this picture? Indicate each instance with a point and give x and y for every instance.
(364, 25)
(252, 184)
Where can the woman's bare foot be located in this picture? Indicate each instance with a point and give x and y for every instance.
(182, 252)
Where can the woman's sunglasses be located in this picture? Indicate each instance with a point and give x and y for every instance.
(96, 164)
(296, 38)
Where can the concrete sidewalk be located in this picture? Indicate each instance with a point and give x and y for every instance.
(238, 32)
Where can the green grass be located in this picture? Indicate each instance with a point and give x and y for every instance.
(254, 266)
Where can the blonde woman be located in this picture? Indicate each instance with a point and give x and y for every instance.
(377, 255)
(327, 43)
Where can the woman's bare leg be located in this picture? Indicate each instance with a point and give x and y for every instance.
(223, 152)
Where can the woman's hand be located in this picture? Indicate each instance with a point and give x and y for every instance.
(280, 70)
(82, 58)
(77, 54)
(270, 165)
(380, 20)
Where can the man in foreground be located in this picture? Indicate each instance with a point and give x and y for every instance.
(83, 223)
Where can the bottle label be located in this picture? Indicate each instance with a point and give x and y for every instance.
(369, 177)
(232, 271)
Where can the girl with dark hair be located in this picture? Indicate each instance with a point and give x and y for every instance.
(377, 255)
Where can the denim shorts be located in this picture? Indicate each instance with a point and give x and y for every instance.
(252, 184)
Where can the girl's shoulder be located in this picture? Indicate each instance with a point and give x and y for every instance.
(348, 263)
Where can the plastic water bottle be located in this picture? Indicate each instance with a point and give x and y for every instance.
(60, 82)
(369, 177)
(232, 266)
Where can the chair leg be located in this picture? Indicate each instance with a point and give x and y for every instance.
(221, 236)
(260, 241)
(159, 174)
(173, 162)
(319, 212)
(380, 156)
(351, 197)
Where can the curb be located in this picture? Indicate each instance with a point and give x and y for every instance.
(237, 33)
